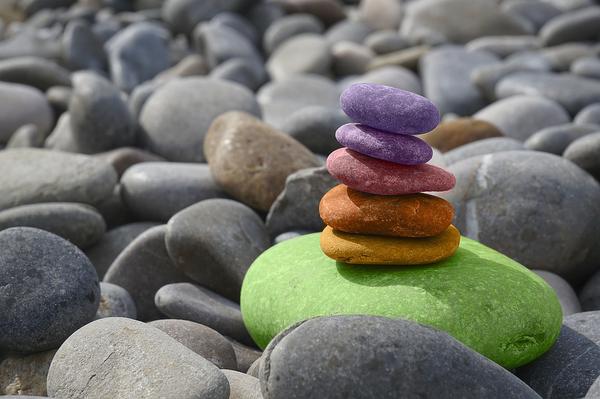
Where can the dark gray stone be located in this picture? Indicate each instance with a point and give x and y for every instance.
(114, 211)
(242, 386)
(191, 302)
(245, 355)
(535, 12)
(105, 251)
(247, 72)
(109, 357)
(264, 14)
(350, 58)
(218, 251)
(588, 67)
(25, 374)
(386, 41)
(347, 30)
(184, 15)
(137, 54)
(190, 65)
(562, 56)
(503, 46)
(27, 136)
(566, 296)
(31, 7)
(142, 268)
(588, 115)
(555, 139)
(140, 94)
(288, 27)
(32, 175)
(589, 296)
(315, 127)
(100, 118)
(355, 357)
(510, 202)
(115, 301)
(22, 105)
(521, 116)
(59, 98)
(31, 42)
(585, 153)
(48, 279)
(447, 82)
(175, 129)
(482, 147)
(82, 49)
(307, 53)
(80, 224)
(158, 190)
(201, 339)
(125, 157)
(575, 26)
(297, 207)
(239, 23)
(34, 71)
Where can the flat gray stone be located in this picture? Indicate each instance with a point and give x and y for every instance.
(585, 153)
(503, 46)
(245, 355)
(588, 115)
(34, 71)
(183, 15)
(555, 139)
(242, 386)
(588, 67)
(534, 12)
(82, 48)
(115, 301)
(27, 136)
(290, 25)
(482, 147)
(124, 157)
(315, 127)
(307, 53)
(575, 26)
(22, 105)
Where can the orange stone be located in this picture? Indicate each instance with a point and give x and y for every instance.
(380, 250)
(412, 215)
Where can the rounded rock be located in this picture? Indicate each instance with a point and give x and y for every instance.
(306, 53)
(22, 105)
(585, 153)
(115, 301)
(454, 133)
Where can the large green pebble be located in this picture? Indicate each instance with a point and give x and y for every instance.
(481, 297)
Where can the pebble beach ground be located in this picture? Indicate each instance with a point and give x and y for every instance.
(273, 199)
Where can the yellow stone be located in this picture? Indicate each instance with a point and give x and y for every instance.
(381, 250)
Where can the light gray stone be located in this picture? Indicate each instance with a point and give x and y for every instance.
(565, 293)
(555, 139)
(482, 147)
(115, 301)
(306, 53)
(22, 105)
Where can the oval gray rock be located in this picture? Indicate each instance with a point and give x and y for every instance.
(555, 139)
(34, 71)
(306, 53)
(588, 115)
(589, 296)
(288, 26)
(575, 26)
(315, 127)
(115, 301)
(585, 153)
(242, 386)
(22, 105)
(482, 147)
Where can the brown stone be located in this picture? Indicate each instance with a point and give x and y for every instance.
(25, 374)
(454, 133)
(379, 250)
(413, 215)
(251, 160)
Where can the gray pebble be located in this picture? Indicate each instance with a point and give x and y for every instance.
(34, 71)
(307, 53)
(27, 136)
(239, 23)
(503, 46)
(589, 296)
(575, 26)
(385, 41)
(585, 153)
(562, 56)
(555, 139)
(242, 386)
(536, 13)
(487, 77)
(247, 72)
(291, 25)
(315, 127)
(22, 375)
(59, 98)
(123, 158)
(82, 49)
(350, 58)
(588, 67)
(566, 296)
(115, 301)
(254, 369)
(245, 355)
(288, 235)
(347, 30)
(184, 15)
(394, 76)
(22, 105)
(482, 147)
(588, 115)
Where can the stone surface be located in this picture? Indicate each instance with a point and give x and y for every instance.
(78, 223)
(498, 201)
(22, 375)
(446, 73)
(192, 302)
(565, 293)
(27, 136)
(454, 133)
(297, 207)
(521, 116)
(215, 241)
(536, 13)
(390, 75)
(158, 190)
(406, 58)
(416, 215)
(347, 31)
(379, 357)
(381, 14)
(291, 25)
(327, 11)
(48, 279)
(250, 160)
(436, 295)
(555, 139)
(482, 147)
(503, 46)
(315, 126)
(575, 26)
(307, 53)
(398, 148)
(201, 339)
(82, 48)
(142, 268)
(34, 175)
(115, 301)
(562, 56)
(176, 129)
(250, 73)
(242, 386)
(588, 67)
(390, 109)
(584, 152)
(588, 115)
(589, 295)
(350, 58)
(245, 355)
(385, 41)
(363, 249)
(183, 15)
(22, 105)
(109, 358)
(34, 71)
(374, 176)
(124, 157)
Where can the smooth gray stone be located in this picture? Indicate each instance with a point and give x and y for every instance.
(158, 190)
(27, 136)
(288, 235)
(347, 30)
(48, 279)
(562, 56)
(219, 43)
(25, 374)
(201, 339)
(521, 116)
(22, 105)
(446, 78)
(59, 97)
(245, 355)
(386, 41)
(242, 386)
(106, 250)
(217, 252)
(115, 301)
(255, 368)
(350, 58)
(297, 207)
(356, 357)
(482, 147)
(588, 115)
(61, 138)
(31, 42)
(31, 7)
(34, 71)
(80, 224)
(109, 357)
(125, 157)
(571, 91)
(238, 22)
(565, 293)
(175, 129)
(380, 14)
(509, 202)
(585, 153)
(33, 175)
(82, 49)
(535, 12)
(142, 268)
(100, 118)
(289, 26)
(195, 303)
(183, 15)
(247, 72)
(190, 65)
(588, 67)
(503, 46)
(589, 296)
(394, 76)
(281, 98)
(140, 94)
(315, 127)
(441, 21)
(555, 139)
(535, 60)
(575, 26)
(138, 53)
(307, 53)
(264, 14)
(114, 211)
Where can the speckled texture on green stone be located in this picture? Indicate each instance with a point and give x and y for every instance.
(481, 297)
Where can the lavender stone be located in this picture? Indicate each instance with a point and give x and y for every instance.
(393, 147)
(390, 109)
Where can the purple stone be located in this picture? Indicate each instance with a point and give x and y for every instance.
(393, 147)
(390, 109)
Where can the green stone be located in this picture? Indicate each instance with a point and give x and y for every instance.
(482, 298)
